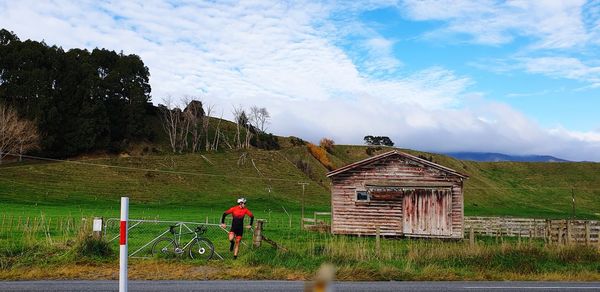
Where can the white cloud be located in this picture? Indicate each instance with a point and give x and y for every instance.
(563, 67)
(287, 57)
(555, 24)
(480, 126)
(380, 57)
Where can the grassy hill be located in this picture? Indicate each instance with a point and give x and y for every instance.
(193, 185)
(176, 186)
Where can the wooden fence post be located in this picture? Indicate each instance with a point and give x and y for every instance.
(569, 232)
(377, 240)
(497, 235)
(547, 231)
(471, 237)
(587, 233)
(560, 235)
(257, 238)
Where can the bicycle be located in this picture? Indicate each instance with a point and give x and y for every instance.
(198, 247)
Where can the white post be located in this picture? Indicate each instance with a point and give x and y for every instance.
(123, 245)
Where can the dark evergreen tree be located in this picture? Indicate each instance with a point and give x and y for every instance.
(81, 101)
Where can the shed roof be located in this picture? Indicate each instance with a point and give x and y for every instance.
(391, 153)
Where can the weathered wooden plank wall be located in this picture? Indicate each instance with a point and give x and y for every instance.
(427, 212)
(385, 209)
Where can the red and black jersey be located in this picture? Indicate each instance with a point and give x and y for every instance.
(238, 213)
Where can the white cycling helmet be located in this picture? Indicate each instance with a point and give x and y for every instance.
(241, 200)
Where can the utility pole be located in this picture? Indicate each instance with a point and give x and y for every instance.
(304, 184)
(573, 197)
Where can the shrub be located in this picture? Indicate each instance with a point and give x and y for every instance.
(92, 247)
(320, 154)
(304, 167)
(372, 150)
(265, 141)
(297, 141)
(327, 144)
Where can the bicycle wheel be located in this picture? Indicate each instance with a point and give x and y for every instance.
(164, 247)
(202, 249)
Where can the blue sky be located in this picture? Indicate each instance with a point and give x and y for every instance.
(550, 99)
(518, 77)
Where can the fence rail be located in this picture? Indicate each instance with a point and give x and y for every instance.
(551, 230)
(321, 221)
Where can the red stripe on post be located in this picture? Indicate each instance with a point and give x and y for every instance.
(123, 239)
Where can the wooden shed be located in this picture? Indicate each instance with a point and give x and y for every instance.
(402, 194)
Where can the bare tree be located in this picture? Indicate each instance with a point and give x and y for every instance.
(237, 115)
(16, 135)
(182, 134)
(205, 124)
(259, 118)
(244, 122)
(263, 118)
(253, 117)
(215, 145)
(173, 123)
(28, 139)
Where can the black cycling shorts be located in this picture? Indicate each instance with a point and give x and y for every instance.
(237, 227)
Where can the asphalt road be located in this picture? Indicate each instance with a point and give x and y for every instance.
(180, 286)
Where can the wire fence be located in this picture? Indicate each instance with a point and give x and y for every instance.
(144, 233)
(17, 229)
(155, 238)
(56, 229)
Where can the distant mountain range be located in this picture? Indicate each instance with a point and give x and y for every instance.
(495, 157)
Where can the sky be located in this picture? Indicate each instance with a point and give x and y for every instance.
(516, 77)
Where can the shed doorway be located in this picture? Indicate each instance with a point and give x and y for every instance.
(427, 212)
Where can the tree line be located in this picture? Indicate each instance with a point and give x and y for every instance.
(79, 100)
(190, 127)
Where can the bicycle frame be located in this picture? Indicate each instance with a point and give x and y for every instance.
(176, 237)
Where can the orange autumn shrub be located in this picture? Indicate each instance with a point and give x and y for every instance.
(320, 154)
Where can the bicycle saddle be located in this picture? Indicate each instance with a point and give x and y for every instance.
(201, 229)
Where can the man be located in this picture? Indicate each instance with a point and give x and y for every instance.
(237, 224)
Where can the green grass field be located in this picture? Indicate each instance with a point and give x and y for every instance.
(43, 202)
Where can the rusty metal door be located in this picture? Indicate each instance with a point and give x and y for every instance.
(427, 212)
